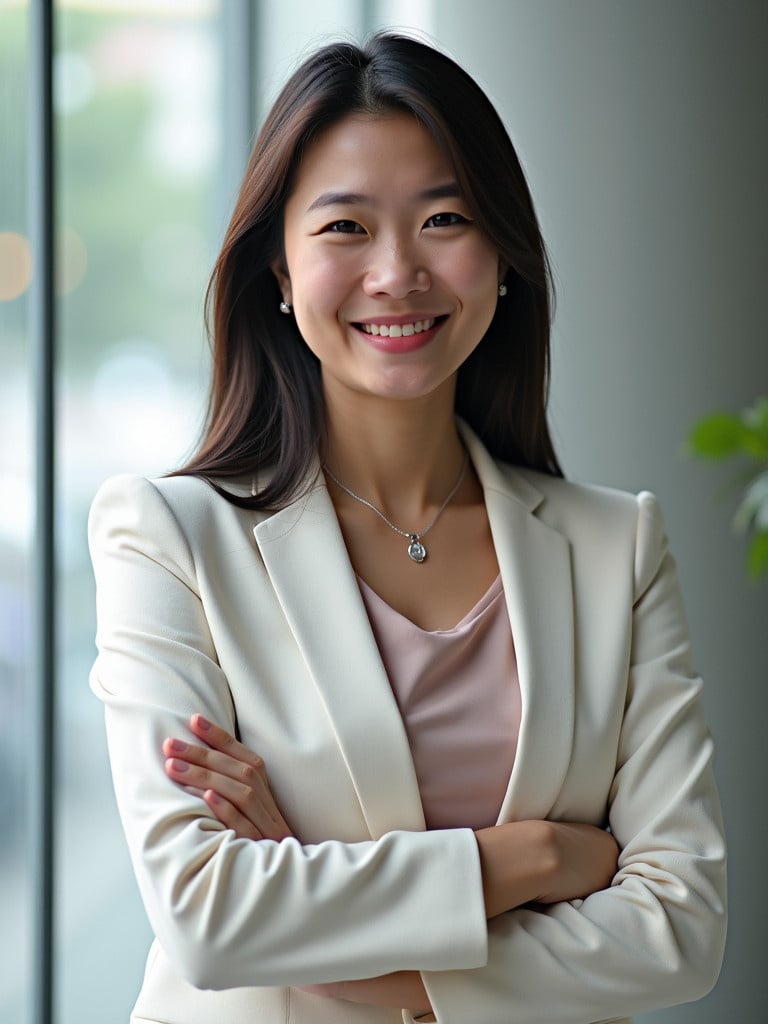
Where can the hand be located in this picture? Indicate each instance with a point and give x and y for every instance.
(543, 862)
(230, 778)
(581, 859)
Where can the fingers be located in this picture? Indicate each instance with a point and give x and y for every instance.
(226, 769)
(231, 817)
(223, 764)
(219, 739)
(252, 800)
(251, 813)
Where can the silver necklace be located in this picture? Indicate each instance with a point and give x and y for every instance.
(416, 550)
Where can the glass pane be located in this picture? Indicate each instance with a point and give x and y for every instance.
(140, 179)
(289, 31)
(16, 499)
(138, 159)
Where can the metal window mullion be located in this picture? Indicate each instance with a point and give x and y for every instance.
(41, 200)
(238, 98)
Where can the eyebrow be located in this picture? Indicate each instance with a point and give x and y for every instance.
(449, 190)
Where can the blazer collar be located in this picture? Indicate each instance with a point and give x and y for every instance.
(535, 564)
(304, 553)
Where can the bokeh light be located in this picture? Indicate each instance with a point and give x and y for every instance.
(15, 265)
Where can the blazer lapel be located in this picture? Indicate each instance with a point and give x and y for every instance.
(304, 553)
(305, 556)
(535, 565)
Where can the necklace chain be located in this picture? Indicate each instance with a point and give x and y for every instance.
(416, 550)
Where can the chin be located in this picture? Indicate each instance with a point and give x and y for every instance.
(406, 386)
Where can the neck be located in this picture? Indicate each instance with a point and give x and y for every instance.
(403, 456)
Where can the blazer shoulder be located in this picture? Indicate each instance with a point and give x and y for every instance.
(132, 514)
(189, 500)
(569, 497)
(179, 521)
(605, 518)
(139, 501)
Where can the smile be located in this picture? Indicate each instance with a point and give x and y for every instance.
(400, 330)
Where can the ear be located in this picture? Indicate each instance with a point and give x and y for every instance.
(503, 268)
(283, 280)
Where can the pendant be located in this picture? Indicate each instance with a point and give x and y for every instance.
(416, 550)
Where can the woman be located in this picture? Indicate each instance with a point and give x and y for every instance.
(471, 779)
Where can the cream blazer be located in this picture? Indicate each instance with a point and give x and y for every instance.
(257, 622)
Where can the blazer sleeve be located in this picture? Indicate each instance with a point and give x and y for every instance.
(232, 912)
(656, 936)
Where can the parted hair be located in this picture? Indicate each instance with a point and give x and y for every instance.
(265, 406)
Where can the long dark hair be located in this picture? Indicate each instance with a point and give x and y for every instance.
(266, 403)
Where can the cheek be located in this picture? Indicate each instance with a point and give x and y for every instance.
(473, 271)
(320, 287)
(320, 281)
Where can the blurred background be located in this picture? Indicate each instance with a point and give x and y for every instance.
(643, 128)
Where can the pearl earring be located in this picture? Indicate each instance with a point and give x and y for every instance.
(502, 290)
(286, 307)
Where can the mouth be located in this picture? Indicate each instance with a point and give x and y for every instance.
(401, 330)
(401, 338)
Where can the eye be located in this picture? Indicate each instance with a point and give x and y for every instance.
(445, 220)
(344, 227)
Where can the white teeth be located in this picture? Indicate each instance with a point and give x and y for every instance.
(398, 330)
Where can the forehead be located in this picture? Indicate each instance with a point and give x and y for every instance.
(372, 154)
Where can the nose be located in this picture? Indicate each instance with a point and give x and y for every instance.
(395, 269)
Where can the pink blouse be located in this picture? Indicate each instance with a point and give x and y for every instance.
(459, 696)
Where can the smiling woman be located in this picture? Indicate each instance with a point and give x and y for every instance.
(394, 249)
(268, 399)
(368, 781)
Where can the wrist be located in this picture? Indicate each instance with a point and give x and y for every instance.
(514, 862)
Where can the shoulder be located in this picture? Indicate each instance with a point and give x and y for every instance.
(135, 502)
(569, 498)
(187, 499)
(130, 515)
(168, 518)
(603, 521)
(562, 504)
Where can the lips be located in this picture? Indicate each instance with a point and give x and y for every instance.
(401, 334)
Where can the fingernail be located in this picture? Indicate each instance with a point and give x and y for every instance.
(178, 766)
(212, 797)
(178, 745)
(202, 723)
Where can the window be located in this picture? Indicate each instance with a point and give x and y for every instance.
(154, 105)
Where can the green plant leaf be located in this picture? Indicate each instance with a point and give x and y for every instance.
(755, 420)
(757, 556)
(723, 435)
(753, 509)
(756, 416)
(718, 436)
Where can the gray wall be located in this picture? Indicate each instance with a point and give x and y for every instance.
(643, 130)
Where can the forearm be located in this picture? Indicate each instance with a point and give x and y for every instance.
(361, 915)
(542, 861)
(624, 951)
(509, 865)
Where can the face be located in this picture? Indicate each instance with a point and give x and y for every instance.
(391, 283)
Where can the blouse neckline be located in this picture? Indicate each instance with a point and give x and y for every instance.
(488, 598)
